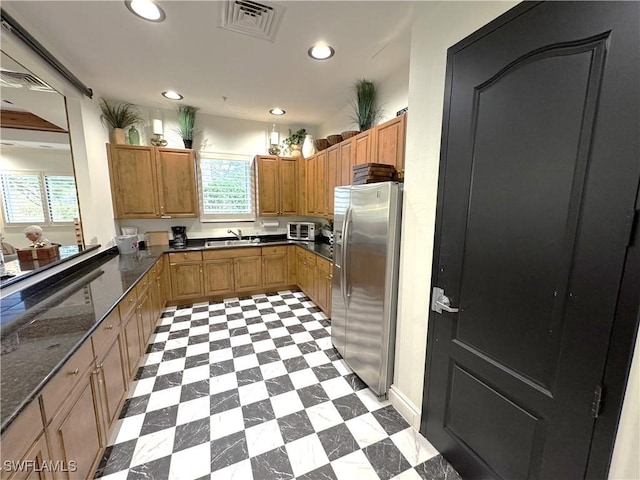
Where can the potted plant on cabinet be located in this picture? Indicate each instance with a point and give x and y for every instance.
(365, 111)
(294, 142)
(187, 123)
(118, 116)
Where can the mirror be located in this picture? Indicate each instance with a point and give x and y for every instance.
(37, 181)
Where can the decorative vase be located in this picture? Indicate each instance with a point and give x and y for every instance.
(187, 143)
(134, 136)
(118, 136)
(308, 148)
(295, 151)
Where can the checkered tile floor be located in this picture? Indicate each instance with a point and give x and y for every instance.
(253, 389)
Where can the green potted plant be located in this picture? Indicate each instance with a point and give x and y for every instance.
(187, 123)
(118, 116)
(366, 113)
(294, 142)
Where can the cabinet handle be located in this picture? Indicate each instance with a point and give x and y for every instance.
(110, 327)
(74, 372)
(100, 366)
(185, 255)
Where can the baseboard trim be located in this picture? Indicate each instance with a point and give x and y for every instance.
(407, 409)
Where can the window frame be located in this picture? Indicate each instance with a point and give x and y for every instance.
(46, 207)
(227, 217)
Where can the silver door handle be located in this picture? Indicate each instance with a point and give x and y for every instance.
(440, 302)
(345, 245)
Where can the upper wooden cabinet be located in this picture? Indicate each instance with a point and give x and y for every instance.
(151, 182)
(331, 180)
(363, 145)
(389, 143)
(310, 169)
(345, 162)
(320, 185)
(277, 185)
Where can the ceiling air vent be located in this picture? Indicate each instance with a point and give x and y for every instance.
(18, 80)
(259, 20)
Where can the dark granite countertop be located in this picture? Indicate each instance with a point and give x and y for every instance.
(17, 270)
(43, 325)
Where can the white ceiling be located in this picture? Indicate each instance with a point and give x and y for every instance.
(124, 57)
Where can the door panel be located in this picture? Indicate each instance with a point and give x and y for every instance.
(538, 182)
(268, 191)
(177, 183)
(288, 186)
(338, 300)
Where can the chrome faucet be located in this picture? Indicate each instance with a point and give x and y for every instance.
(237, 235)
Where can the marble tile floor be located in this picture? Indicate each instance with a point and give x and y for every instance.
(252, 389)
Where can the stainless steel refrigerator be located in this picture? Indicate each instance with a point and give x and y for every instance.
(365, 279)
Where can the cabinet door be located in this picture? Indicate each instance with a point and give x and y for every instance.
(311, 184)
(346, 163)
(321, 291)
(331, 178)
(302, 186)
(247, 273)
(301, 272)
(112, 382)
(218, 276)
(176, 183)
(292, 260)
(74, 434)
(143, 317)
(312, 284)
(274, 270)
(33, 463)
(389, 147)
(186, 280)
(133, 178)
(268, 188)
(133, 345)
(321, 169)
(363, 147)
(288, 186)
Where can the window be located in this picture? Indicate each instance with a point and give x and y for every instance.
(37, 197)
(226, 187)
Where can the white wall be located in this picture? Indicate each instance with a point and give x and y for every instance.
(437, 26)
(37, 160)
(393, 95)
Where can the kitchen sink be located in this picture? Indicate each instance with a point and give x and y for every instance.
(226, 243)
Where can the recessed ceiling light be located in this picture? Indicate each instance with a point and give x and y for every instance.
(321, 51)
(277, 111)
(146, 9)
(171, 95)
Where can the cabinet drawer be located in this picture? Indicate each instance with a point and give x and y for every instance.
(105, 333)
(21, 434)
(160, 266)
(310, 257)
(142, 286)
(183, 257)
(128, 303)
(60, 386)
(221, 253)
(275, 250)
(323, 265)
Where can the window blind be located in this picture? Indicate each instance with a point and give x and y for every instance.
(22, 198)
(227, 190)
(62, 199)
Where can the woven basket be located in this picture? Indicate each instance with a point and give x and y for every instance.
(321, 144)
(349, 134)
(333, 139)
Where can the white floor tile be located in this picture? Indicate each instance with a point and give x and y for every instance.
(152, 358)
(254, 392)
(278, 332)
(164, 398)
(220, 355)
(237, 471)
(256, 327)
(191, 463)
(263, 437)
(317, 358)
(196, 374)
(236, 323)
(366, 430)
(337, 387)
(217, 334)
(170, 366)
(201, 330)
(303, 378)
(247, 361)
(324, 415)
(126, 429)
(273, 370)
(197, 349)
(176, 343)
(342, 367)
(264, 346)
(306, 454)
(142, 387)
(302, 337)
(193, 410)
(414, 446)
(226, 423)
(153, 446)
(354, 466)
(286, 403)
(290, 351)
(370, 400)
(324, 343)
(240, 340)
(222, 383)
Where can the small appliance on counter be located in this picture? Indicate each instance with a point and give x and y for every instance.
(305, 231)
(127, 244)
(179, 237)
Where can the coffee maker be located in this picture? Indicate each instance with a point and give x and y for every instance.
(179, 237)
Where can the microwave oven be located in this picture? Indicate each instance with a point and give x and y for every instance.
(301, 231)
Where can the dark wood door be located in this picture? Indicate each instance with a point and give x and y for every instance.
(538, 181)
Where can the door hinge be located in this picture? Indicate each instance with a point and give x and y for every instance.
(596, 404)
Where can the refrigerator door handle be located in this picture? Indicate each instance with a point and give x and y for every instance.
(345, 246)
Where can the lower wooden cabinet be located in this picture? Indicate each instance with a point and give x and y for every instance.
(186, 275)
(75, 432)
(275, 266)
(111, 376)
(247, 273)
(218, 276)
(133, 346)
